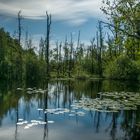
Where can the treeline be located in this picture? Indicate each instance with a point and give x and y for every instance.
(113, 54)
(16, 63)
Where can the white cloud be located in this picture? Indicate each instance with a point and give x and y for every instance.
(72, 11)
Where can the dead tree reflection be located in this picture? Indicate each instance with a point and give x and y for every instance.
(46, 131)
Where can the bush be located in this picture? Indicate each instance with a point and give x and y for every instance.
(137, 63)
(122, 68)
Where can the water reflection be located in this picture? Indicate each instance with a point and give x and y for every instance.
(15, 105)
(45, 136)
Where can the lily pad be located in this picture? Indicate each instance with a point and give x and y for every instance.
(71, 115)
(26, 127)
(20, 123)
(19, 89)
(50, 121)
(110, 102)
(40, 109)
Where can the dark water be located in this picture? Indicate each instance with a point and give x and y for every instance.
(16, 105)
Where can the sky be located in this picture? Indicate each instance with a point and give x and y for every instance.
(68, 16)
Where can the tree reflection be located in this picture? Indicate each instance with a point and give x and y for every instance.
(17, 117)
(45, 136)
(61, 94)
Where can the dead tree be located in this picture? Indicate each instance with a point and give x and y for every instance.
(47, 44)
(19, 26)
(71, 56)
(100, 49)
(19, 61)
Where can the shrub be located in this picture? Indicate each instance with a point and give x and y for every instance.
(122, 68)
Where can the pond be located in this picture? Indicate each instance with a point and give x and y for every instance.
(48, 112)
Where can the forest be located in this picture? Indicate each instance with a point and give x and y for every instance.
(114, 53)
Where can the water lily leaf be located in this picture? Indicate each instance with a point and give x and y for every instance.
(110, 102)
(20, 123)
(71, 115)
(50, 121)
(26, 127)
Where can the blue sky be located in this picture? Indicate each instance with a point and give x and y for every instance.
(68, 16)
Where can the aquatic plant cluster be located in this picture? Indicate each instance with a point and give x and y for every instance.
(110, 102)
(58, 111)
(54, 111)
(32, 90)
(72, 112)
(32, 123)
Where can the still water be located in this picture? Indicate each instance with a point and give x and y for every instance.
(24, 116)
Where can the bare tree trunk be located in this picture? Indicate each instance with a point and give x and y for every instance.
(92, 55)
(100, 49)
(60, 59)
(19, 26)
(57, 57)
(66, 62)
(78, 44)
(19, 71)
(70, 60)
(48, 45)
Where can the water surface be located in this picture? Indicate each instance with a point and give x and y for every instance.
(18, 106)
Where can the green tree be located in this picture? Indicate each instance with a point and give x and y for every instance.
(124, 21)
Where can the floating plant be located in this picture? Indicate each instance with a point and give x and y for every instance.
(110, 102)
(20, 119)
(50, 121)
(80, 113)
(57, 111)
(19, 89)
(21, 122)
(71, 115)
(40, 109)
(33, 123)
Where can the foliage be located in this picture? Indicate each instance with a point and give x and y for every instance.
(115, 56)
(16, 63)
(122, 68)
